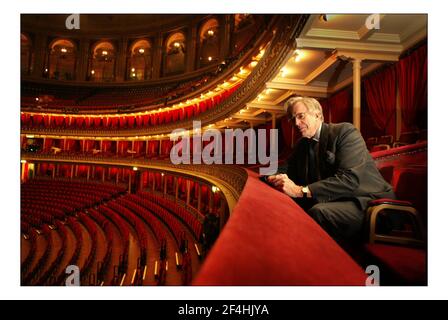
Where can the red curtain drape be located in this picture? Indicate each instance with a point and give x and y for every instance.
(325, 109)
(412, 74)
(341, 107)
(286, 128)
(380, 93)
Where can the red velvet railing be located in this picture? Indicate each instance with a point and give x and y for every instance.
(269, 240)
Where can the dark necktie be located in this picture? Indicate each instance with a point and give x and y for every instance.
(312, 172)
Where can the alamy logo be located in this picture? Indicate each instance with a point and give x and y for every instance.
(373, 22)
(73, 22)
(374, 275)
(73, 278)
(234, 140)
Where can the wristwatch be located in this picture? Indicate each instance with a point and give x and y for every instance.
(305, 191)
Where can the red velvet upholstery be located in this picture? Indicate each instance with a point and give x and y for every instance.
(406, 264)
(269, 240)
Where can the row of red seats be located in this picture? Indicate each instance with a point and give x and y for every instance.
(74, 186)
(49, 276)
(386, 142)
(37, 216)
(148, 217)
(92, 229)
(33, 275)
(182, 213)
(32, 237)
(173, 224)
(56, 205)
(124, 232)
(123, 122)
(136, 223)
(67, 203)
(106, 226)
(77, 230)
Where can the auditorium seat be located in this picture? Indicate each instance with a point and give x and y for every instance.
(370, 142)
(397, 228)
(386, 139)
(380, 147)
(406, 138)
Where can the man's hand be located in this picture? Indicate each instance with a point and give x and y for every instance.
(286, 185)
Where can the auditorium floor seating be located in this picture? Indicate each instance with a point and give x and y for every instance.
(105, 227)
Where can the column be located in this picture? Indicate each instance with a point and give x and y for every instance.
(225, 26)
(76, 171)
(38, 169)
(88, 173)
(160, 147)
(273, 115)
(129, 182)
(57, 170)
(40, 48)
(157, 56)
(71, 172)
(188, 192)
(192, 39)
(357, 93)
(82, 60)
(120, 65)
(164, 185)
(23, 178)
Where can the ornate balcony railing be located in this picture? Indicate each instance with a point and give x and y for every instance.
(287, 28)
(230, 179)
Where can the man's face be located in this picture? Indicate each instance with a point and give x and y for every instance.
(306, 121)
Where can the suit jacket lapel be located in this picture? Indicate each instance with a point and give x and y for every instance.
(323, 142)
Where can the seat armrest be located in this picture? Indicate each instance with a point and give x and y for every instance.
(378, 202)
(387, 207)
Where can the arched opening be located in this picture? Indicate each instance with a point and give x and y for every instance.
(209, 42)
(140, 62)
(102, 62)
(174, 54)
(25, 54)
(62, 60)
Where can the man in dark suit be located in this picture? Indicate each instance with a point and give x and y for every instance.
(330, 172)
